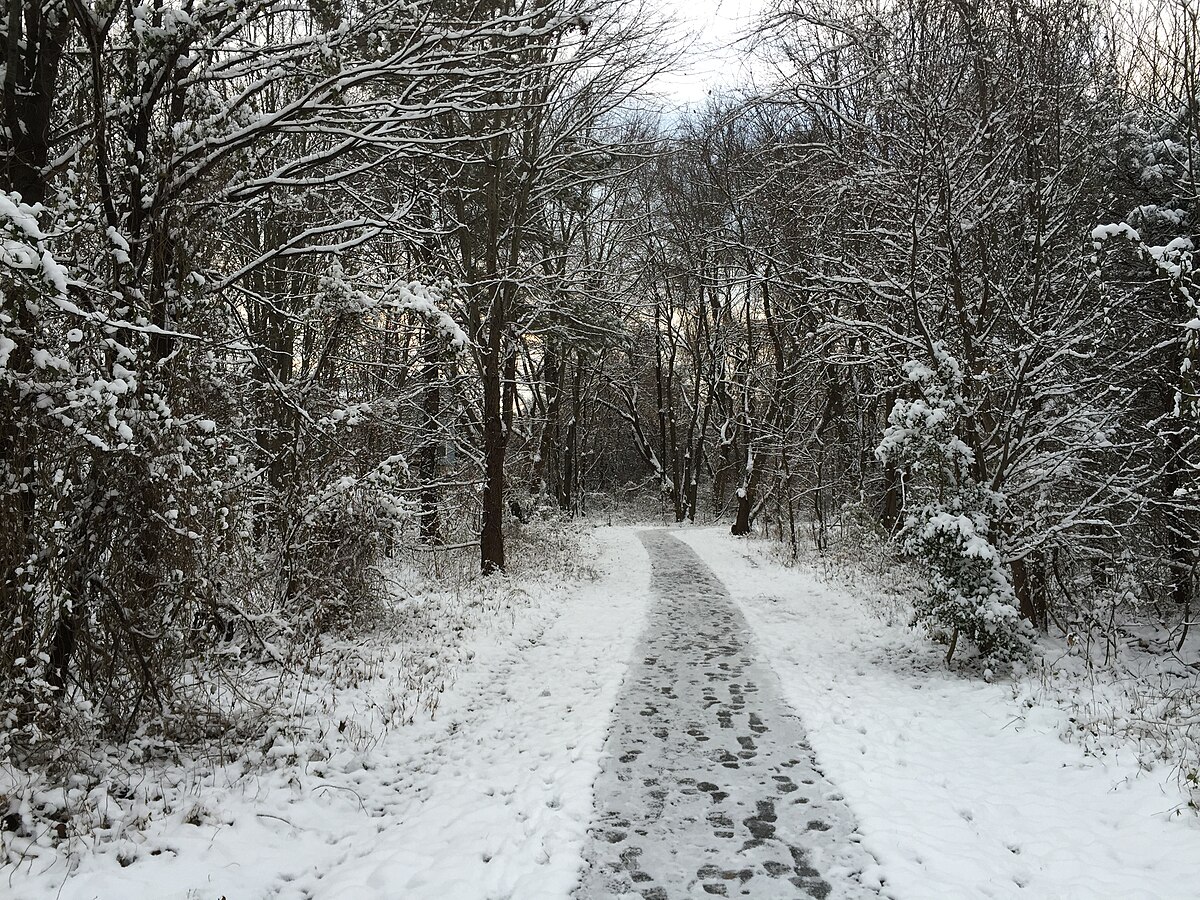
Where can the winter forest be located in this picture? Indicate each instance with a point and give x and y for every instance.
(400, 398)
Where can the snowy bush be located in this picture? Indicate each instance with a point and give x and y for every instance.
(969, 593)
(329, 556)
(112, 507)
(950, 519)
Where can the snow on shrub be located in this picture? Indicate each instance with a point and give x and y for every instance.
(1173, 261)
(950, 519)
(111, 525)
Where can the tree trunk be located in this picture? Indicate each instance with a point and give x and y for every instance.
(430, 406)
(548, 481)
(1029, 583)
(32, 50)
(741, 524)
(1180, 536)
(893, 499)
(495, 443)
(491, 535)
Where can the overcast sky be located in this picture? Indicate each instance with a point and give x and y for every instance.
(711, 61)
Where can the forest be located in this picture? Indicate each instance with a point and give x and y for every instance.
(295, 291)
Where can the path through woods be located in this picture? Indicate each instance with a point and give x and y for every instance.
(709, 785)
(670, 728)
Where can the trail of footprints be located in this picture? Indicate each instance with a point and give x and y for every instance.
(709, 787)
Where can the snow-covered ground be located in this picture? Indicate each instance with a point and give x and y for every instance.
(492, 798)
(960, 788)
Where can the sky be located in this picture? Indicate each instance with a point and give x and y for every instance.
(711, 61)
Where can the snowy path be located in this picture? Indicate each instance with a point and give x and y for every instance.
(710, 787)
(961, 789)
(489, 801)
(657, 703)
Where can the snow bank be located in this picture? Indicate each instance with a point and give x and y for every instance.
(961, 790)
(505, 797)
(489, 799)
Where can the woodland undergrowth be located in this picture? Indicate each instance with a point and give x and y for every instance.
(244, 712)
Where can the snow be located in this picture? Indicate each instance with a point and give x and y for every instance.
(21, 216)
(26, 252)
(427, 301)
(960, 789)
(955, 785)
(1102, 233)
(490, 798)
(120, 251)
(54, 274)
(44, 359)
(505, 792)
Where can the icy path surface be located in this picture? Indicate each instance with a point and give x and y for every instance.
(710, 787)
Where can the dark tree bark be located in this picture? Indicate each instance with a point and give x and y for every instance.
(893, 500)
(32, 48)
(547, 472)
(495, 443)
(1029, 583)
(430, 408)
(741, 525)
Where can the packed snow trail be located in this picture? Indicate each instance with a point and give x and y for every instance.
(710, 787)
